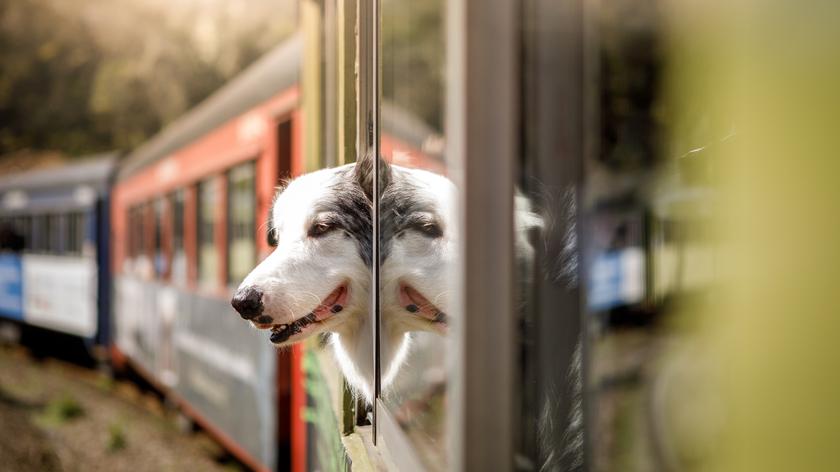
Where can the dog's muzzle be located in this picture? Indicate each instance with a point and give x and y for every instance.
(248, 302)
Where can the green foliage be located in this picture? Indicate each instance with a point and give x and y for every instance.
(116, 438)
(93, 75)
(61, 410)
(105, 383)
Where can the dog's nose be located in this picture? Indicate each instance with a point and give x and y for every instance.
(248, 302)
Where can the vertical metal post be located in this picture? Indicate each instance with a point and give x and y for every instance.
(368, 119)
(311, 19)
(482, 136)
(377, 387)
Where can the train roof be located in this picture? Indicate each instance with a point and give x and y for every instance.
(71, 186)
(276, 71)
(92, 170)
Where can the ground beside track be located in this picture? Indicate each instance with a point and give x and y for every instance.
(59, 416)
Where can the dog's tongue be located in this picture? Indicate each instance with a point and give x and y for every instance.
(331, 305)
(416, 303)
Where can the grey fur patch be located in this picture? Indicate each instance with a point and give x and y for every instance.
(351, 212)
(349, 207)
(400, 204)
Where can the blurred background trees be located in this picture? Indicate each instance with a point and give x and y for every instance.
(93, 75)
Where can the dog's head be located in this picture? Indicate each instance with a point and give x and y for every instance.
(317, 277)
(418, 245)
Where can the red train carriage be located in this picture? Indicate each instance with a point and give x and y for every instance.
(189, 209)
(188, 217)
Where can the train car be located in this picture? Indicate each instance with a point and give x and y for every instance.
(54, 265)
(189, 209)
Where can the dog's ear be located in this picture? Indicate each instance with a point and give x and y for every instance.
(363, 174)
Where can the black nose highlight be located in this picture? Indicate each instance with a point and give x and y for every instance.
(248, 302)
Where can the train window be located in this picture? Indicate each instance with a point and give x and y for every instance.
(23, 224)
(131, 234)
(242, 244)
(53, 233)
(74, 232)
(208, 255)
(134, 233)
(38, 243)
(417, 244)
(138, 233)
(70, 234)
(138, 249)
(179, 255)
(11, 239)
(160, 257)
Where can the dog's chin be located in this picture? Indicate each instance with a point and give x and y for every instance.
(418, 313)
(328, 314)
(308, 332)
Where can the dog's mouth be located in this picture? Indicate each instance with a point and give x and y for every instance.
(415, 303)
(331, 305)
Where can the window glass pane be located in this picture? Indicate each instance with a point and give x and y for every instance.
(142, 260)
(74, 232)
(37, 233)
(52, 228)
(648, 256)
(161, 261)
(179, 255)
(612, 230)
(208, 255)
(70, 234)
(11, 238)
(548, 392)
(24, 229)
(131, 224)
(417, 225)
(242, 249)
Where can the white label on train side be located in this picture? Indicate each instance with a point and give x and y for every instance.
(59, 293)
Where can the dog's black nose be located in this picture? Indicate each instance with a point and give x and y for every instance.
(248, 302)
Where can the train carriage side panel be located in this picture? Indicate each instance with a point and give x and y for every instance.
(185, 336)
(60, 293)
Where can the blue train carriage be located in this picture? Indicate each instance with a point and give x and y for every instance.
(54, 249)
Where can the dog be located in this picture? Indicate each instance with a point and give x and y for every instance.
(317, 279)
(419, 245)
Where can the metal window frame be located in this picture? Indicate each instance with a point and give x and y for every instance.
(367, 146)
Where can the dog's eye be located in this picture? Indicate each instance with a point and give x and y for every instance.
(319, 229)
(430, 229)
(425, 223)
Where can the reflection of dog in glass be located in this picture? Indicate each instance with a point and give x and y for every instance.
(317, 280)
(419, 245)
